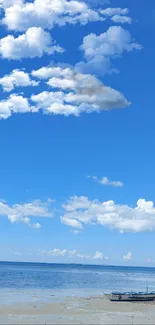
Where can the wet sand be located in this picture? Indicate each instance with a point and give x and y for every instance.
(76, 310)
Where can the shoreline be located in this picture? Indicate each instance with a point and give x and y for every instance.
(41, 308)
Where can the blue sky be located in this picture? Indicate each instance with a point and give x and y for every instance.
(77, 132)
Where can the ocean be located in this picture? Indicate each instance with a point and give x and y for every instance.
(73, 278)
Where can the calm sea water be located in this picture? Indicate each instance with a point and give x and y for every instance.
(68, 277)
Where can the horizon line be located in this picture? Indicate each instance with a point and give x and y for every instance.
(80, 264)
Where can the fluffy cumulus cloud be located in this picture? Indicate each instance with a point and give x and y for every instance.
(121, 19)
(98, 256)
(72, 93)
(60, 103)
(114, 11)
(20, 15)
(66, 90)
(8, 3)
(17, 78)
(72, 222)
(110, 215)
(117, 15)
(45, 73)
(113, 42)
(85, 93)
(99, 50)
(56, 252)
(106, 181)
(35, 225)
(15, 104)
(18, 213)
(34, 43)
(127, 257)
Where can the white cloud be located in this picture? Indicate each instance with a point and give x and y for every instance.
(87, 93)
(71, 222)
(62, 83)
(75, 232)
(73, 94)
(72, 253)
(17, 78)
(50, 72)
(121, 19)
(54, 103)
(7, 3)
(83, 256)
(46, 14)
(110, 215)
(111, 43)
(17, 254)
(150, 260)
(59, 103)
(100, 50)
(56, 252)
(18, 213)
(106, 181)
(14, 104)
(98, 256)
(75, 203)
(114, 11)
(34, 43)
(127, 257)
(35, 225)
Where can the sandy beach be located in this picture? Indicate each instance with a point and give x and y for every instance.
(76, 310)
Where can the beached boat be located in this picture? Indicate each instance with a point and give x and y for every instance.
(131, 296)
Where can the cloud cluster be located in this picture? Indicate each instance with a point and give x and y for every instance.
(54, 252)
(106, 181)
(34, 43)
(15, 104)
(114, 11)
(111, 43)
(72, 93)
(18, 213)
(117, 15)
(85, 93)
(67, 90)
(79, 211)
(8, 3)
(109, 214)
(100, 50)
(20, 15)
(17, 78)
(127, 257)
(72, 253)
(121, 19)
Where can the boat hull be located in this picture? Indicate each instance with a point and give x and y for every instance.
(131, 297)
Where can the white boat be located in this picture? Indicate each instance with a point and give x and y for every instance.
(131, 296)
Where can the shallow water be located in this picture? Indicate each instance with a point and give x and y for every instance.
(74, 279)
